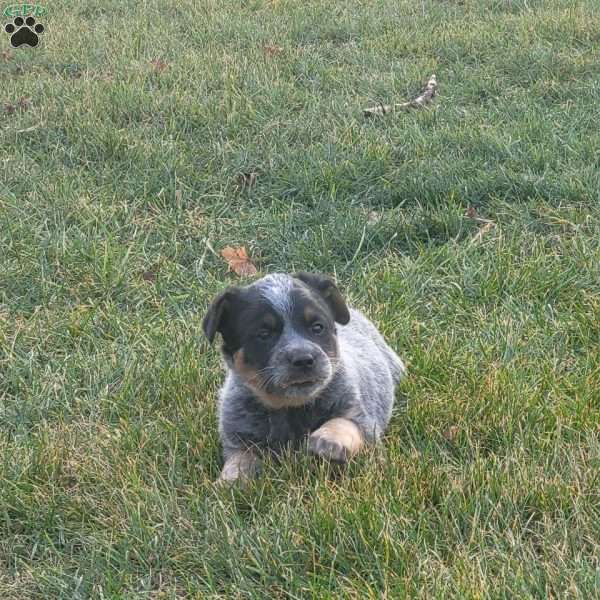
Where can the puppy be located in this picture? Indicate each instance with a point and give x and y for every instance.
(300, 364)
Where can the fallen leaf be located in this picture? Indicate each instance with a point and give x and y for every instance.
(149, 276)
(159, 65)
(272, 50)
(6, 54)
(23, 103)
(247, 179)
(451, 433)
(238, 261)
(471, 213)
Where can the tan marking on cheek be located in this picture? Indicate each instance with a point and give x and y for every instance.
(238, 360)
(252, 378)
(342, 431)
(242, 368)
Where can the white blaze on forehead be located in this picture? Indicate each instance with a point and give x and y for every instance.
(276, 289)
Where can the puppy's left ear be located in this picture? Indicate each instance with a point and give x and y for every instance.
(217, 314)
(326, 287)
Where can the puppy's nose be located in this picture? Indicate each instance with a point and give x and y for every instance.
(303, 360)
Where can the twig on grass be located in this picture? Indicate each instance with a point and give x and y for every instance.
(482, 231)
(424, 98)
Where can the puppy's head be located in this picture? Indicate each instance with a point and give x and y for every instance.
(279, 335)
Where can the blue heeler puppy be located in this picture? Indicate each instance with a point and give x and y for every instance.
(300, 364)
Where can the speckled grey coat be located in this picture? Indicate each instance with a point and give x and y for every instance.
(361, 389)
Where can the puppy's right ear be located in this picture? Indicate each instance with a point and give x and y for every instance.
(217, 314)
(326, 287)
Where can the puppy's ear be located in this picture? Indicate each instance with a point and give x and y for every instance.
(326, 287)
(218, 313)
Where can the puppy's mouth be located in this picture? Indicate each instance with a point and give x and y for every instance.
(299, 383)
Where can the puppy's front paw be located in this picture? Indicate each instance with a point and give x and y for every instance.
(327, 448)
(240, 467)
(337, 440)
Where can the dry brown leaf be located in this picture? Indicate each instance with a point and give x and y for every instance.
(471, 213)
(238, 261)
(149, 276)
(159, 65)
(23, 103)
(272, 50)
(6, 54)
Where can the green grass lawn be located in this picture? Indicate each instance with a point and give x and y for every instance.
(119, 176)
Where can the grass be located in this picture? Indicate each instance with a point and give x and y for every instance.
(117, 174)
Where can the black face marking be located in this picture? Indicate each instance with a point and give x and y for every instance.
(309, 309)
(279, 335)
(248, 321)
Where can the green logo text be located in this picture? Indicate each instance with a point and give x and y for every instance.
(25, 10)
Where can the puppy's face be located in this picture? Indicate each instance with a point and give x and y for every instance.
(279, 335)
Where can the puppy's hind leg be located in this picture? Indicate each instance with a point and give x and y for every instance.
(337, 440)
(240, 466)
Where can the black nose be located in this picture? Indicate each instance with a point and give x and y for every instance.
(302, 360)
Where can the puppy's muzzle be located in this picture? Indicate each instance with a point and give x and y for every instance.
(302, 367)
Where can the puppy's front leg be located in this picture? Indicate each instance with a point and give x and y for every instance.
(240, 465)
(337, 439)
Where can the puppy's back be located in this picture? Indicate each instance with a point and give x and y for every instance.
(373, 369)
(362, 344)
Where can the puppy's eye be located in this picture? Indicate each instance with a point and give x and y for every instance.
(264, 334)
(317, 328)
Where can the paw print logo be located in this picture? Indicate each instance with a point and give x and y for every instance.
(24, 31)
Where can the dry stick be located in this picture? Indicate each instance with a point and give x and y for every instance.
(420, 101)
(482, 231)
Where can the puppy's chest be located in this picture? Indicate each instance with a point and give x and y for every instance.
(292, 425)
